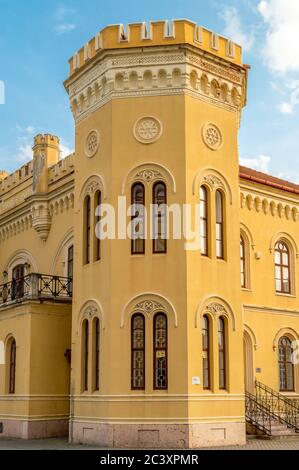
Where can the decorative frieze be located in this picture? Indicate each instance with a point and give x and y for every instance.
(166, 71)
(267, 205)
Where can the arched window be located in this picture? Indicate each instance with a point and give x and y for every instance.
(97, 244)
(137, 352)
(221, 353)
(219, 225)
(96, 346)
(286, 367)
(70, 268)
(87, 229)
(138, 220)
(85, 354)
(160, 218)
(282, 268)
(206, 352)
(204, 226)
(18, 273)
(160, 351)
(243, 262)
(12, 366)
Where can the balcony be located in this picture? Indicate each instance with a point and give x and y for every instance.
(36, 287)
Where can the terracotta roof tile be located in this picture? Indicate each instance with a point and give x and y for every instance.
(268, 180)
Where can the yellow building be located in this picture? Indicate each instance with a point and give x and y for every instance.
(148, 343)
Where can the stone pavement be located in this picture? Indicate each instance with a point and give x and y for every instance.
(62, 444)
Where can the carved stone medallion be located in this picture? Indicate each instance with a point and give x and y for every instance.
(211, 136)
(92, 143)
(147, 130)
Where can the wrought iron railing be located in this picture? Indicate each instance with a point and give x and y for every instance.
(285, 410)
(36, 286)
(257, 414)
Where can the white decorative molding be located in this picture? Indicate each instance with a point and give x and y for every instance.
(166, 71)
(148, 303)
(148, 129)
(212, 136)
(148, 172)
(90, 309)
(213, 181)
(216, 306)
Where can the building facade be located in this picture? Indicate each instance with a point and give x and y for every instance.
(146, 343)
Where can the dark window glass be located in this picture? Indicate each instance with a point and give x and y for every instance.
(206, 352)
(138, 220)
(12, 367)
(282, 268)
(219, 226)
(221, 353)
(160, 218)
(286, 367)
(160, 351)
(204, 221)
(138, 352)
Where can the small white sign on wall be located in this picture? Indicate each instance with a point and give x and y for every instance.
(195, 381)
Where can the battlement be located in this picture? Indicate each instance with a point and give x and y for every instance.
(15, 178)
(46, 140)
(156, 33)
(3, 175)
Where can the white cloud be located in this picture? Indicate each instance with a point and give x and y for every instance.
(260, 163)
(24, 153)
(63, 17)
(65, 149)
(63, 28)
(288, 107)
(281, 49)
(234, 29)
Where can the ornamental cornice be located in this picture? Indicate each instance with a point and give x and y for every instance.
(269, 206)
(168, 72)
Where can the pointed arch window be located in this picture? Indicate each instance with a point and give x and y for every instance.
(204, 226)
(221, 353)
(138, 219)
(96, 343)
(219, 226)
(282, 268)
(12, 366)
(138, 352)
(160, 218)
(87, 229)
(160, 352)
(286, 366)
(206, 352)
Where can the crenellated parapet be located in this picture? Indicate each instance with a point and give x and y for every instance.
(177, 64)
(155, 33)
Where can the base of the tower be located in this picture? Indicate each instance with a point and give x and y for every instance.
(159, 436)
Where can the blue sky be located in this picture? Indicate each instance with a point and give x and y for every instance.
(38, 37)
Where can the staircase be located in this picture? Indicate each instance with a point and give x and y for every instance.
(270, 413)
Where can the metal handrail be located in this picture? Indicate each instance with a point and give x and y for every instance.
(257, 414)
(36, 286)
(284, 409)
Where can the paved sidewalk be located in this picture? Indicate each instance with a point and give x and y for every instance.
(63, 444)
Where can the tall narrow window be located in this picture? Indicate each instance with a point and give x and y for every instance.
(87, 227)
(96, 342)
(206, 352)
(18, 282)
(221, 353)
(286, 367)
(97, 248)
(70, 268)
(282, 268)
(204, 221)
(137, 352)
(160, 351)
(219, 225)
(85, 352)
(138, 220)
(12, 367)
(243, 262)
(160, 218)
